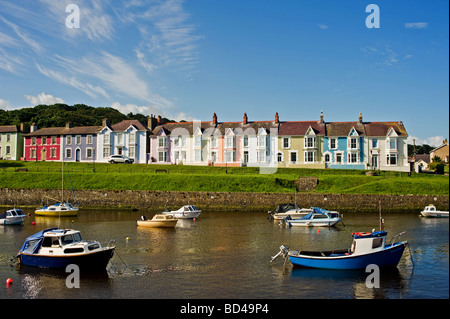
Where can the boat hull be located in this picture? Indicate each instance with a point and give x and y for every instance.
(157, 223)
(313, 223)
(91, 261)
(389, 257)
(12, 221)
(437, 214)
(183, 215)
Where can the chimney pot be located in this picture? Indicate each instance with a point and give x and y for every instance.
(277, 119)
(245, 121)
(214, 118)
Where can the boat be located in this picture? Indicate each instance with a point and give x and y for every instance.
(13, 216)
(185, 212)
(366, 249)
(318, 217)
(57, 248)
(57, 210)
(292, 210)
(62, 208)
(158, 221)
(430, 211)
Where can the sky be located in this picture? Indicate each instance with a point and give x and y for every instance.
(186, 60)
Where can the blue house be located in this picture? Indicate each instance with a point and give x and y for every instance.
(344, 145)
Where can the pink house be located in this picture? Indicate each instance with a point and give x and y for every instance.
(43, 144)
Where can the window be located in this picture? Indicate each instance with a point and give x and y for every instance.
(213, 142)
(198, 155)
(69, 153)
(162, 156)
(246, 141)
(33, 141)
(229, 156)
(89, 139)
(44, 140)
(375, 143)
(293, 157)
(120, 138)
(78, 139)
(333, 144)
(310, 156)
(245, 156)
(262, 140)
(353, 157)
(132, 151)
(176, 141)
(286, 142)
(327, 158)
(197, 141)
(229, 142)
(89, 153)
(132, 138)
(339, 158)
(8, 149)
(162, 142)
(53, 140)
(310, 142)
(352, 143)
(392, 144)
(391, 159)
(69, 140)
(106, 139)
(106, 152)
(279, 157)
(53, 152)
(261, 156)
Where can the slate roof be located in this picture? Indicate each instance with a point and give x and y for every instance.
(8, 129)
(293, 128)
(78, 130)
(344, 128)
(123, 125)
(382, 128)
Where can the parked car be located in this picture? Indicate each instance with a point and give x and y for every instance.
(120, 159)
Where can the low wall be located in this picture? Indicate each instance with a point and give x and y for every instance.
(151, 200)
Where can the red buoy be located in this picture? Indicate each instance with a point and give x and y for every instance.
(9, 281)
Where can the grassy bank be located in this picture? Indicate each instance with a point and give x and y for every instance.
(47, 175)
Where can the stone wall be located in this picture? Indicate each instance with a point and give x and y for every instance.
(152, 200)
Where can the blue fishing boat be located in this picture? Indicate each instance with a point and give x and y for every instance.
(318, 217)
(57, 248)
(366, 249)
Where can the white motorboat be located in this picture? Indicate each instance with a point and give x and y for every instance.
(431, 211)
(185, 212)
(285, 210)
(318, 217)
(57, 248)
(12, 217)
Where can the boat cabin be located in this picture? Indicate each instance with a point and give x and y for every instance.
(368, 242)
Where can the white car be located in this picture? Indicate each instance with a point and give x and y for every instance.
(120, 159)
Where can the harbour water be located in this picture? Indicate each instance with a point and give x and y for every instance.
(225, 255)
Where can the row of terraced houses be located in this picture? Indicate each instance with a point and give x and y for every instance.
(307, 144)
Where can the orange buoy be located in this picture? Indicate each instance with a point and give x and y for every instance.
(9, 281)
(318, 231)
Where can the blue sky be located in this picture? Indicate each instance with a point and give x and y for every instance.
(189, 59)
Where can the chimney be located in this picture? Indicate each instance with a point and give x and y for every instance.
(33, 128)
(360, 118)
(22, 127)
(277, 119)
(321, 117)
(444, 141)
(245, 119)
(106, 122)
(159, 120)
(214, 118)
(151, 122)
(68, 125)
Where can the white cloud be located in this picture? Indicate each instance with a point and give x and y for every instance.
(5, 104)
(432, 140)
(43, 98)
(150, 109)
(323, 26)
(23, 36)
(416, 25)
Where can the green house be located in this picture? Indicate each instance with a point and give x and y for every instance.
(11, 143)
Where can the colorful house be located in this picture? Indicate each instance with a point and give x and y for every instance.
(11, 142)
(128, 137)
(300, 144)
(79, 144)
(42, 144)
(344, 144)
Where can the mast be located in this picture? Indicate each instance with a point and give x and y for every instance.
(62, 180)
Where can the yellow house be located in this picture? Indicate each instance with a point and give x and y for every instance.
(300, 144)
(442, 151)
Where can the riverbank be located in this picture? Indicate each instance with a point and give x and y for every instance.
(225, 201)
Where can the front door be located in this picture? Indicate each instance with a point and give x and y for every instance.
(43, 154)
(77, 155)
(375, 162)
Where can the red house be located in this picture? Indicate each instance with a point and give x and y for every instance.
(43, 144)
